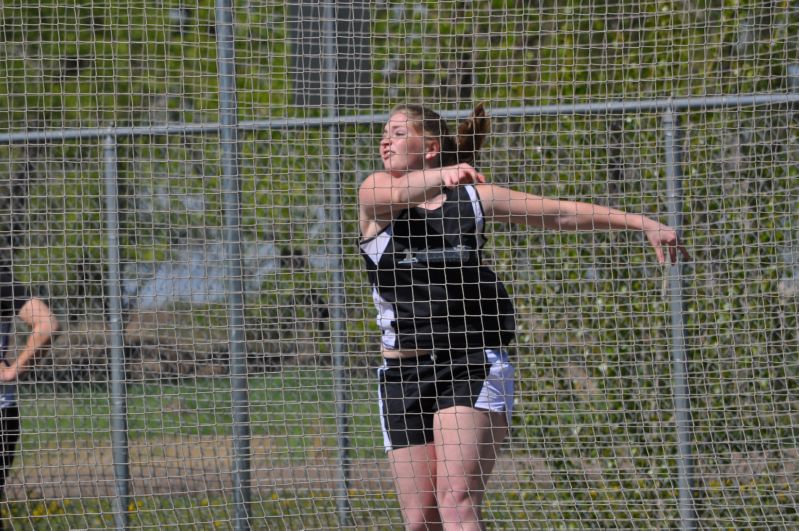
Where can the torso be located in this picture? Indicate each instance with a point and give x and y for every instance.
(425, 270)
(372, 227)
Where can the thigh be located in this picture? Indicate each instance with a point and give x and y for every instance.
(414, 472)
(467, 442)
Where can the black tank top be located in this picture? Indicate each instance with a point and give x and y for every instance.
(12, 297)
(428, 283)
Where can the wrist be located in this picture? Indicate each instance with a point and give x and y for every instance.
(442, 185)
(648, 224)
(434, 181)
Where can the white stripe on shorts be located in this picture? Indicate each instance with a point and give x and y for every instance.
(498, 389)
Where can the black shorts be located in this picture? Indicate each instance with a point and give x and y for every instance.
(9, 436)
(412, 390)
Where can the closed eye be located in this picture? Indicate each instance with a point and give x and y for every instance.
(395, 133)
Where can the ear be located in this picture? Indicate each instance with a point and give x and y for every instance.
(432, 149)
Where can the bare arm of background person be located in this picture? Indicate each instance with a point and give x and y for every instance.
(43, 324)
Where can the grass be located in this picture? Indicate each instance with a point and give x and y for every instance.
(294, 408)
(294, 412)
(177, 513)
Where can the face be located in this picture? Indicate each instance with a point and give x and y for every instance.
(403, 148)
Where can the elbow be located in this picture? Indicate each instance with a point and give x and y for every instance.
(46, 330)
(378, 207)
(372, 210)
(373, 205)
(46, 327)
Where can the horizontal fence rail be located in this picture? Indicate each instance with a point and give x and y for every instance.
(611, 107)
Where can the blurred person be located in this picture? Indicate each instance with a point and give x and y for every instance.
(446, 384)
(15, 301)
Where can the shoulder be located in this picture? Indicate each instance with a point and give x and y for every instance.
(374, 203)
(488, 195)
(489, 192)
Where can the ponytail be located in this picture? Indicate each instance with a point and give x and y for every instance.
(471, 135)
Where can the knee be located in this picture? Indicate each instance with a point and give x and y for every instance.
(422, 519)
(455, 504)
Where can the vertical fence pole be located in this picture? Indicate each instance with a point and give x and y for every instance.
(231, 184)
(119, 424)
(682, 407)
(337, 313)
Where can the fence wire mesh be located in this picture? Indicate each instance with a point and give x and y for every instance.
(594, 438)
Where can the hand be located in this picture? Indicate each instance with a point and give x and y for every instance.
(9, 373)
(452, 176)
(665, 236)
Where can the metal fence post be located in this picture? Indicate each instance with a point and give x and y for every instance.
(337, 314)
(119, 423)
(231, 184)
(682, 406)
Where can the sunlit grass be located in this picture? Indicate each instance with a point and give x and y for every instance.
(294, 407)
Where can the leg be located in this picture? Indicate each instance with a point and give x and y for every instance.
(9, 436)
(467, 441)
(445, 451)
(407, 433)
(414, 470)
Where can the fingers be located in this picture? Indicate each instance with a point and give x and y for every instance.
(674, 248)
(668, 238)
(473, 175)
(468, 175)
(659, 254)
(461, 174)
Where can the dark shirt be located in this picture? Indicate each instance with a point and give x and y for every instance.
(428, 281)
(13, 296)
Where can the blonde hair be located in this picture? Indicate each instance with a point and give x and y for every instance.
(464, 146)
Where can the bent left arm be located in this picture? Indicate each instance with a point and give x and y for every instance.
(43, 324)
(512, 206)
